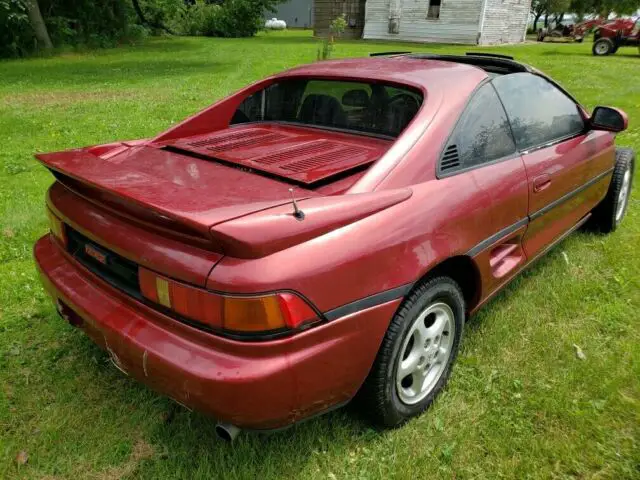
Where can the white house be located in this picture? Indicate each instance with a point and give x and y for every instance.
(483, 22)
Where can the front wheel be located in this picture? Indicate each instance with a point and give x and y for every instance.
(603, 46)
(417, 353)
(608, 215)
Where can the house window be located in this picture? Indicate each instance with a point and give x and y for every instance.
(434, 9)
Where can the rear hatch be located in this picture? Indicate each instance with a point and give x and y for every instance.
(188, 186)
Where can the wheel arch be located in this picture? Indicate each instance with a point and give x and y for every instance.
(464, 271)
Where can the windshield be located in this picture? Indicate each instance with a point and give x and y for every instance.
(362, 107)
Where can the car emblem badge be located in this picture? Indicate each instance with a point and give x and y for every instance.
(95, 254)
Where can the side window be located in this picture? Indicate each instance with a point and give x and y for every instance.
(481, 135)
(538, 111)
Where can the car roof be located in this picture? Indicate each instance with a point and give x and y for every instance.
(415, 71)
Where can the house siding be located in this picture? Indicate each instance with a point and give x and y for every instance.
(461, 21)
(458, 23)
(505, 21)
(297, 13)
(325, 11)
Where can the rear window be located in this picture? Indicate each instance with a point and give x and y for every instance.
(362, 107)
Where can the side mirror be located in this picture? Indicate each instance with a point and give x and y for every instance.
(608, 119)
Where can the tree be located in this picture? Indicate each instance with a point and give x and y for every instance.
(538, 8)
(604, 8)
(557, 8)
(154, 22)
(37, 23)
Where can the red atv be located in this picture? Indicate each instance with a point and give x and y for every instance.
(611, 36)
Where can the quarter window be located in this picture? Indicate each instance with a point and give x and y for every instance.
(482, 134)
(539, 112)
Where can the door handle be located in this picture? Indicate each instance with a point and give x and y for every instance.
(540, 183)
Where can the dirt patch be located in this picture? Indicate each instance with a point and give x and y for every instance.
(44, 99)
(141, 451)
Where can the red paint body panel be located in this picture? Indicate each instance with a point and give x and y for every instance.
(565, 167)
(142, 246)
(376, 219)
(260, 386)
(174, 185)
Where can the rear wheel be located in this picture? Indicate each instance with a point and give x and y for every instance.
(610, 212)
(416, 355)
(603, 46)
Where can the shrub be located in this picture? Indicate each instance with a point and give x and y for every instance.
(16, 36)
(336, 28)
(195, 19)
(230, 18)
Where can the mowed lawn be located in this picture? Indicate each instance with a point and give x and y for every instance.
(520, 403)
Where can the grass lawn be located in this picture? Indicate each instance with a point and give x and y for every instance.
(520, 404)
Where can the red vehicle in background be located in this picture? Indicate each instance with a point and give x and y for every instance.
(577, 32)
(582, 29)
(326, 231)
(609, 37)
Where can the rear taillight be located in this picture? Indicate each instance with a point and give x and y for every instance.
(57, 228)
(241, 314)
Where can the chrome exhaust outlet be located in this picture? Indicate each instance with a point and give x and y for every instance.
(227, 432)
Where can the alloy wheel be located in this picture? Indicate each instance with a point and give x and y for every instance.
(425, 353)
(623, 196)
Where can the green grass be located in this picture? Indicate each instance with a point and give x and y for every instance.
(520, 404)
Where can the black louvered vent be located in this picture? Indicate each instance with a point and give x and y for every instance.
(450, 159)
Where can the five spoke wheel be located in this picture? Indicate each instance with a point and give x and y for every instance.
(425, 353)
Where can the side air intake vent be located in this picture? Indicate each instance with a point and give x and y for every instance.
(450, 159)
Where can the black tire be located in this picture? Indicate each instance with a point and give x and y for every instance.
(603, 46)
(379, 393)
(605, 216)
(579, 39)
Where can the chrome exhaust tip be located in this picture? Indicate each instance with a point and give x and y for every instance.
(227, 432)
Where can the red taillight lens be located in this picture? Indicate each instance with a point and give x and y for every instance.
(57, 228)
(232, 313)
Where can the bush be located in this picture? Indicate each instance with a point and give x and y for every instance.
(135, 33)
(16, 36)
(85, 22)
(239, 18)
(195, 19)
(231, 18)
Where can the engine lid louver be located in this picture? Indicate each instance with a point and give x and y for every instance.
(450, 158)
(289, 152)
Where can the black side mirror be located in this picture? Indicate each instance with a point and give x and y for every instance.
(608, 119)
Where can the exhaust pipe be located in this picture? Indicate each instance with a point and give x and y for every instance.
(227, 432)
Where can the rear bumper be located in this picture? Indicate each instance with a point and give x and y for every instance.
(257, 385)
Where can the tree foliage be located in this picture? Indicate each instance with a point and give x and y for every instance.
(30, 25)
(603, 8)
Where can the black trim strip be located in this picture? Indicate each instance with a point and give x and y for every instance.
(497, 236)
(569, 195)
(368, 302)
(520, 223)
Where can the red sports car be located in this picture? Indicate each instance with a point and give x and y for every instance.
(325, 232)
